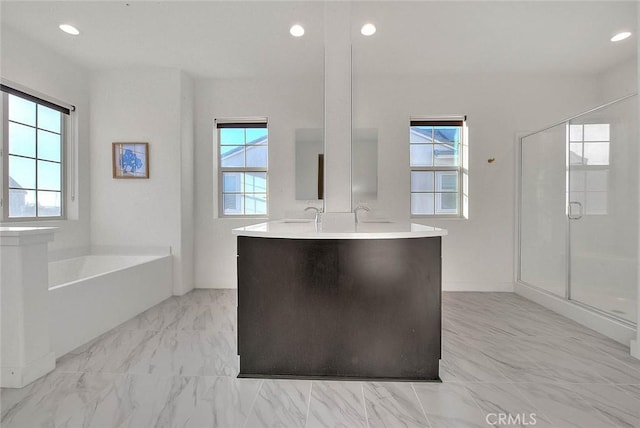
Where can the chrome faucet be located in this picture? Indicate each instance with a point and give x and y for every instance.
(358, 208)
(318, 212)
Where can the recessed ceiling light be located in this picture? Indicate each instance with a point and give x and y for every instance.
(297, 30)
(368, 29)
(69, 29)
(621, 36)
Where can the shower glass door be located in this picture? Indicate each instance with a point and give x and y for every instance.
(602, 208)
(543, 221)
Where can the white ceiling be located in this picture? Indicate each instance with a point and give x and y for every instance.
(250, 38)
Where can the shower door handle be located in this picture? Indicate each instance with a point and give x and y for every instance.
(575, 216)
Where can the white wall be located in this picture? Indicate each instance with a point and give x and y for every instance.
(478, 253)
(635, 344)
(145, 105)
(29, 64)
(155, 105)
(618, 81)
(289, 103)
(337, 107)
(187, 177)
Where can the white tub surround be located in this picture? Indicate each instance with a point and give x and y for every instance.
(310, 230)
(66, 272)
(26, 347)
(103, 291)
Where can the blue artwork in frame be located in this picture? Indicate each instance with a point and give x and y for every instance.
(130, 160)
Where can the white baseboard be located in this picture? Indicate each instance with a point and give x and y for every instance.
(18, 377)
(616, 330)
(183, 290)
(477, 286)
(214, 287)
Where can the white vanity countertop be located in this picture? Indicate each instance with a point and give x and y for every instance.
(309, 230)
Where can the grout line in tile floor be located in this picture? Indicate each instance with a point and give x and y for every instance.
(364, 403)
(253, 402)
(306, 423)
(413, 387)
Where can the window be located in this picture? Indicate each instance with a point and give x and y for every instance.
(437, 157)
(588, 168)
(243, 165)
(33, 156)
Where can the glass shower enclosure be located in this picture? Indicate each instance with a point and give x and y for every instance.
(578, 209)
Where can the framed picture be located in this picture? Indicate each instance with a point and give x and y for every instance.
(130, 160)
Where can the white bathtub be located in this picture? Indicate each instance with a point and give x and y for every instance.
(91, 294)
(63, 273)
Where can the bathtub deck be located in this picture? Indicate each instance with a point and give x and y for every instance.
(175, 365)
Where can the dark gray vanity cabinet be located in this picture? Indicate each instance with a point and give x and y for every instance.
(339, 308)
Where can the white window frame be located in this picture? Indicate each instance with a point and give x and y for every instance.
(65, 127)
(461, 169)
(239, 122)
(585, 200)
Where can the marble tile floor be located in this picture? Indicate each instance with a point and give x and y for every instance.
(505, 362)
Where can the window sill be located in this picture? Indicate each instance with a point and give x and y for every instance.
(437, 217)
(249, 218)
(42, 222)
